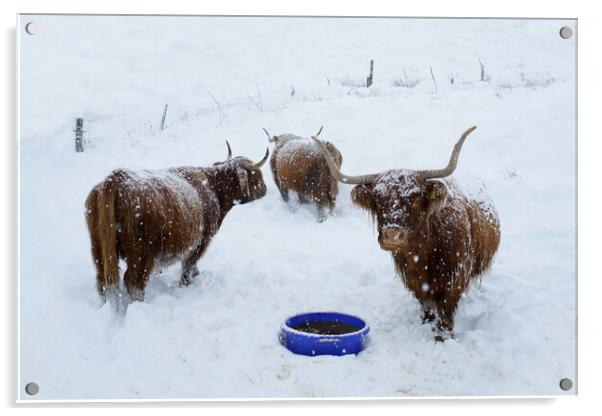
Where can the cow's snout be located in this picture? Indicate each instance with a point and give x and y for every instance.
(261, 190)
(393, 239)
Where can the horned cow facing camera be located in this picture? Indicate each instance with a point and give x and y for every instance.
(152, 218)
(298, 165)
(440, 239)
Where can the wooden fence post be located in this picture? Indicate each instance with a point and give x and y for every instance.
(163, 117)
(433, 77)
(370, 77)
(79, 135)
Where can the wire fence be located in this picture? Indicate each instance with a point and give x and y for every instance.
(91, 132)
(135, 127)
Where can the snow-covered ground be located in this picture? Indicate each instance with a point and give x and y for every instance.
(515, 333)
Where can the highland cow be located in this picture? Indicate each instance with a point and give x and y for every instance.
(154, 218)
(440, 239)
(297, 165)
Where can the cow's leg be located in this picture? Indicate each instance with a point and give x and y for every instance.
(283, 192)
(189, 268)
(303, 198)
(283, 189)
(331, 204)
(428, 315)
(91, 220)
(322, 214)
(332, 195)
(321, 209)
(136, 277)
(322, 204)
(97, 258)
(445, 319)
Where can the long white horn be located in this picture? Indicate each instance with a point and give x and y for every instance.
(334, 170)
(258, 165)
(270, 138)
(453, 161)
(229, 151)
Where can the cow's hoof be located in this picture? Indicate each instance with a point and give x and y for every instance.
(194, 272)
(188, 275)
(135, 294)
(428, 317)
(443, 336)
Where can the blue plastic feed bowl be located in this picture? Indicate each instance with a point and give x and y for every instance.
(324, 333)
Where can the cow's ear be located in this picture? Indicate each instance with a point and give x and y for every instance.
(436, 192)
(362, 196)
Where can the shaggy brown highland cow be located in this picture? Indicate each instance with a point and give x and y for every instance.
(154, 218)
(297, 165)
(440, 239)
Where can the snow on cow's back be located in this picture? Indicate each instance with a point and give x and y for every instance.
(287, 137)
(156, 186)
(474, 190)
(295, 146)
(470, 191)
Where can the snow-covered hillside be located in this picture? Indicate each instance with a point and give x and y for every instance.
(515, 333)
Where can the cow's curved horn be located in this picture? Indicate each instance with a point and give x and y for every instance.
(229, 151)
(319, 131)
(334, 170)
(270, 138)
(453, 161)
(258, 165)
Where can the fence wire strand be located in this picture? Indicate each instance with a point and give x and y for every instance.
(134, 127)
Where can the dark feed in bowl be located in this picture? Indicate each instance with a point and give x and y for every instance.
(326, 328)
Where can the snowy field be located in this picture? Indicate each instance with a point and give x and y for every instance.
(515, 332)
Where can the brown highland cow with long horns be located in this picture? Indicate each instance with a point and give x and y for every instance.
(440, 239)
(153, 218)
(297, 165)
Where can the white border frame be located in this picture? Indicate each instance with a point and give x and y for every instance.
(589, 147)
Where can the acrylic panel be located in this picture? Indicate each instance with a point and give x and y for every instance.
(154, 264)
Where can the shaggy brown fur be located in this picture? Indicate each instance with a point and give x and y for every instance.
(298, 165)
(153, 218)
(440, 240)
